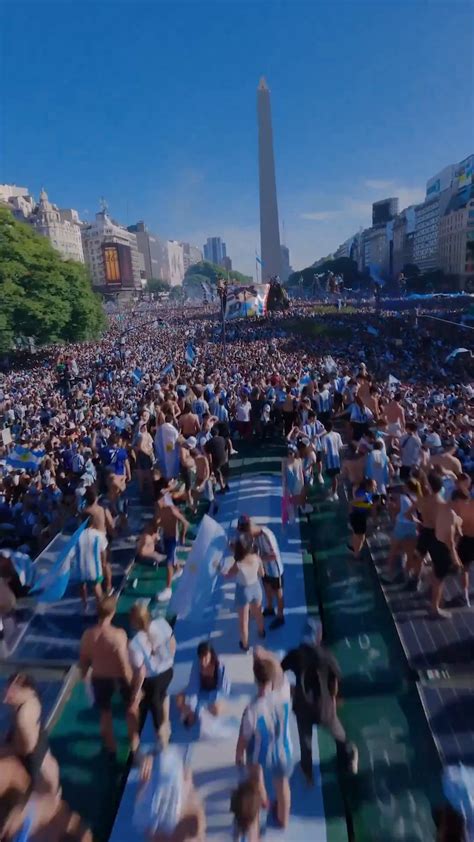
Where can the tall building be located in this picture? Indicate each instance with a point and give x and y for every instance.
(439, 190)
(456, 237)
(191, 255)
(286, 269)
(269, 226)
(215, 251)
(61, 227)
(18, 199)
(152, 252)
(175, 262)
(384, 211)
(403, 239)
(111, 254)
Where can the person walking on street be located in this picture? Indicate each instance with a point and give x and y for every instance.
(152, 650)
(266, 546)
(314, 701)
(169, 518)
(104, 653)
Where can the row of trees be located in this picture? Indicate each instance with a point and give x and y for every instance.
(199, 277)
(41, 295)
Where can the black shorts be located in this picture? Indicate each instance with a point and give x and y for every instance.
(274, 582)
(425, 540)
(144, 461)
(466, 550)
(359, 429)
(405, 472)
(332, 472)
(441, 559)
(324, 417)
(319, 457)
(104, 689)
(154, 694)
(358, 521)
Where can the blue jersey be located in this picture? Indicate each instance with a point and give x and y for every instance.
(332, 446)
(266, 729)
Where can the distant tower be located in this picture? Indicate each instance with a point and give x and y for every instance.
(269, 227)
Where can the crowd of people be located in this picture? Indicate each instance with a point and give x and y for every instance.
(369, 406)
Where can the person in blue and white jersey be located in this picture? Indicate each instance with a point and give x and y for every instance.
(264, 742)
(332, 446)
(88, 562)
(314, 430)
(266, 546)
(323, 402)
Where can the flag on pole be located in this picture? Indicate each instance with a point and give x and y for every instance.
(259, 260)
(199, 577)
(167, 369)
(190, 354)
(24, 458)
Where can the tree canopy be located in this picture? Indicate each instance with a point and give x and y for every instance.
(42, 296)
(340, 266)
(157, 285)
(211, 272)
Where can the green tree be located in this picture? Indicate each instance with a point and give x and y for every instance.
(212, 272)
(340, 266)
(42, 295)
(192, 285)
(157, 285)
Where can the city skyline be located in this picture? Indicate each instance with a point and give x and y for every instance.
(341, 141)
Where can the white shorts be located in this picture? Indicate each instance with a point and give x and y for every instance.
(394, 429)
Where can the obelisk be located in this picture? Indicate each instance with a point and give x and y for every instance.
(269, 227)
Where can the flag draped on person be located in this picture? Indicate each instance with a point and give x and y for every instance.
(166, 450)
(190, 354)
(25, 458)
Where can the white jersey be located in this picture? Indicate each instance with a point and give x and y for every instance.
(152, 649)
(87, 559)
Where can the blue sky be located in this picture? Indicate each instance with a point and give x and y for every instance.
(153, 105)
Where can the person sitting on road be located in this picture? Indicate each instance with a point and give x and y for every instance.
(208, 686)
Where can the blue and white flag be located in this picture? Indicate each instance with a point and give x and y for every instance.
(456, 352)
(196, 585)
(51, 581)
(259, 260)
(190, 354)
(167, 369)
(24, 458)
(137, 375)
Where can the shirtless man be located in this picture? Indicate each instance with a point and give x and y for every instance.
(395, 416)
(203, 486)
(353, 469)
(146, 545)
(104, 652)
(444, 553)
(188, 423)
(100, 519)
(463, 505)
(447, 461)
(427, 505)
(50, 820)
(168, 517)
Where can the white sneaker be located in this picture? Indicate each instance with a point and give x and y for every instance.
(165, 595)
(177, 573)
(320, 479)
(234, 452)
(335, 498)
(307, 509)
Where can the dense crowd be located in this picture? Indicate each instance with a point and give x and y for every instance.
(370, 405)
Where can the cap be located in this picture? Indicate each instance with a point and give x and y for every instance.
(243, 522)
(191, 442)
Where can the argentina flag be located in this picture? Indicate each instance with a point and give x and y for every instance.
(167, 369)
(24, 458)
(193, 595)
(190, 354)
